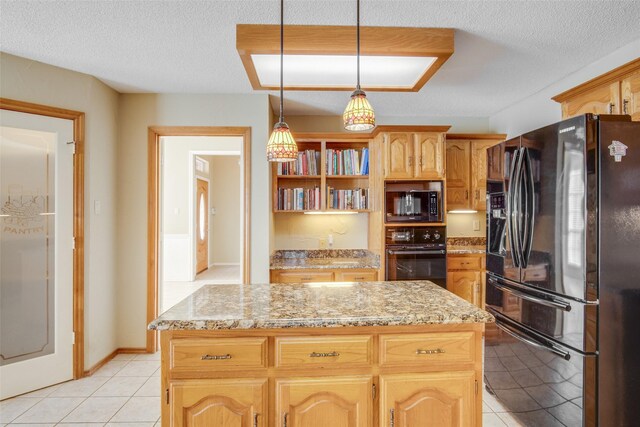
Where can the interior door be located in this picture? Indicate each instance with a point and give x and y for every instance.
(202, 225)
(36, 252)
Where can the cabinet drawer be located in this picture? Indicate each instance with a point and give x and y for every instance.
(356, 276)
(212, 354)
(323, 351)
(465, 262)
(443, 347)
(304, 276)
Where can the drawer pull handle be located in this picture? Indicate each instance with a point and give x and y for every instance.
(331, 354)
(215, 357)
(436, 351)
(359, 278)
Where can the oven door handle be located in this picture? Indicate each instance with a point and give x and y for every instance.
(549, 303)
(527, 339)
(403, 252)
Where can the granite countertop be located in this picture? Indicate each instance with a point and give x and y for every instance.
(466, 249)
(466, 245)
(316, 305)
(324, 258)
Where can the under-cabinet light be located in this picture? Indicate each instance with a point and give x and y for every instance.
(461, 211)
(331, 213)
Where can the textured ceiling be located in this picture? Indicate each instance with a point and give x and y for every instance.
(505, 50)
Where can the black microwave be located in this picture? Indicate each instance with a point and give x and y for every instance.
(413, 206)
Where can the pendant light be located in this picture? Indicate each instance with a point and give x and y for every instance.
(281, 146)
(359, 114)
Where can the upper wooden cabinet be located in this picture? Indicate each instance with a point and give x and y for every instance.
(414, 155)
(467, 169)
(616, 92)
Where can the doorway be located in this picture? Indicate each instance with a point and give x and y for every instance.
(41, 235)
(186, 179)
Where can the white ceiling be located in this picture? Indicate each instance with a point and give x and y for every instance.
(504, 50)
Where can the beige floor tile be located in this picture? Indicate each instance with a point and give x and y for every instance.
(110, 368)
(11, 409)
(146, 424)
(138, 409)
(121, 386)
(156, 373)
(83, 387)
(33, 425)
(150, 388)
(486, 408)
(96, 409)
(492, 420)
(124, 356)
(139, 369)
(50, 410)
(43, 392)
(76, 425)
(148, 356)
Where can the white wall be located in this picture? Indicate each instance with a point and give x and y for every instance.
(32, 81)
(461, 224)
(540, 110)
(224, 226)
(300, 231)
(136, 113)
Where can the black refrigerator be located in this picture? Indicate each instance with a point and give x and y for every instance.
(563, 273)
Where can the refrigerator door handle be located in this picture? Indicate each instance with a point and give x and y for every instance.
(529, 211)
(521, 335)
(520, 294)
(516, 214)
(511, 212)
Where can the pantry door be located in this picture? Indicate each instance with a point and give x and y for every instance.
(36, 251)
(202, 225)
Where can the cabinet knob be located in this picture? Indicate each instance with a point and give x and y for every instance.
(216, 357)
(435, 351)
(611, 106)
(625, 105)
(330, 354)
(392, 421)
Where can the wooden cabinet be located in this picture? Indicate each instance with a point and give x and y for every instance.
(307, 275)
(467, 169)
(414, 155)
(428, 400)
(466, 277)
(426, 375)
(220, 402)
(615, 92)
(322, 402)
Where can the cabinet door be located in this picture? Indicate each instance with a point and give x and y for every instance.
(458, 175)
(303, 276)
(228, 403)
(399, 156)
(466, 284)
(495, 163)
(322, 402)
(631, 96)
(439, 399)
(479, 174)
(604, 99)
(429, 149)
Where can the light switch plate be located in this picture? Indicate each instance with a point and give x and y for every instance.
(476, 225)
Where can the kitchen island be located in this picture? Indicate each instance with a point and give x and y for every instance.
(322, 354)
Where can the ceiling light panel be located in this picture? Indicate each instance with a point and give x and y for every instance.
(331, 71)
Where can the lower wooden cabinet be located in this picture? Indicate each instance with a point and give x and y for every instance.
(466, 277)
(307, 275)
(220, 402)
(410, 376)
(442, 399)
(322, 402)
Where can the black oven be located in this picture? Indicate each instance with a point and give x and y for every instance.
(416, 253)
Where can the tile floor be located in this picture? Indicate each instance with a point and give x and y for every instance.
(125, 392)
(174, 292)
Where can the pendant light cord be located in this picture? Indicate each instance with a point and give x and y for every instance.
(358, 42)
(281, 59)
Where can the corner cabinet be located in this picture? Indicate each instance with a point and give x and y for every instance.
(414, 155)
(615, 92)
(372, 376)
(467, 169)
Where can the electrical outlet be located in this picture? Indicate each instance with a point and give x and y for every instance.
(476, 225)
(322, 243)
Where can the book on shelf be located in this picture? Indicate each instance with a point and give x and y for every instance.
(356, 199)
(307, 163)
(298, 199)
(347, 162)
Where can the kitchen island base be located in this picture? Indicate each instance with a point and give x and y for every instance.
(409, 376)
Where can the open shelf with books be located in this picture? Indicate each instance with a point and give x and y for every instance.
(328, 176)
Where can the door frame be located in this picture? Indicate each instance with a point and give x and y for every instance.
(153, 207)
(77, 117)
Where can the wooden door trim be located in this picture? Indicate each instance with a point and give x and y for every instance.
(153, 224)
(195, 207)
(78, 214)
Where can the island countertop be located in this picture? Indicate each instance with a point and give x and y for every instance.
(315, 305)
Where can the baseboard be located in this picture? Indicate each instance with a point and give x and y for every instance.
(110, 356)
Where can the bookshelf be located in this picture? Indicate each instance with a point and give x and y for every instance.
(329, 176)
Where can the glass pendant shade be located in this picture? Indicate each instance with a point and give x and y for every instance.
(281, 146)
(359, 115)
